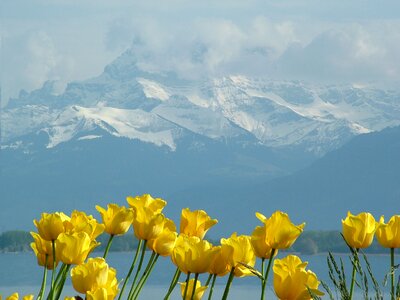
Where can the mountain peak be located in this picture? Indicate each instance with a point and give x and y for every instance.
(274, 113)
(123, 67)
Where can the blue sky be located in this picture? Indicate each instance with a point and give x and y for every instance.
(322, 41)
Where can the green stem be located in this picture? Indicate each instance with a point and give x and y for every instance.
(353, 274)
(56, 281)
(186, 286)
(150, 261)
(138, 270)
(53, 246)
(59, 274)
(61, 283)
(392, 272)
(108, 246)
(43, 286)
(146, 275)
(263, 279)
(174, 281)
(196, 277)
(212, 286)
(131, 268)
(208, 279)
(228, 284)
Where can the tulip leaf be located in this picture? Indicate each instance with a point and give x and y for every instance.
(315, 293)
(252, 270)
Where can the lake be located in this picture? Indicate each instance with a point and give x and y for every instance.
(20, 272)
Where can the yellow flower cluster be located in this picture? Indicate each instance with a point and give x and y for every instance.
(70, 240)
(73, 238)
(95, 279)
(15, 296)
(359, 231)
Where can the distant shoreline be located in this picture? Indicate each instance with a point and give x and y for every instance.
(309, 243)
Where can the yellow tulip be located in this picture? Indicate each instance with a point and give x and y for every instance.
(237, 251)
(80, 221)
(51, 225)
(259, 242)
(358, 231)
(98, 294)
(43, 248)
(15, 296)
(74, 248)
(117, 219)
(69, 298)
(192, 255)
(148, 225)
(198, 293)
(219, 264)
(281, 233)
(93, 275)
(291, 279)
(164, 243)
(388, 235)
(196, 223)
(156, 205)
(148, 222)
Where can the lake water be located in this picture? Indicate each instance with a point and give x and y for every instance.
(20, 272)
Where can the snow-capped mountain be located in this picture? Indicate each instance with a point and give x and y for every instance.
(127, 131)
(131, 103)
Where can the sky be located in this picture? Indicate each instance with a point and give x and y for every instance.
(316, 41)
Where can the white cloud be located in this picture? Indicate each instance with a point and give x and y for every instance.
(42, 58)
(351, 53)
(348, 51)
(74, 40)
(206, 46)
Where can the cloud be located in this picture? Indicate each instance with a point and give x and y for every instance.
(72, 40)
(34, 52)
(29, 60)
(353, 53)
(41, 57)
(259, 46)
(205, 46)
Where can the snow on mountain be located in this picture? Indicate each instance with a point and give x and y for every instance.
(196, 118)
(152, 89)
(22, 120)
(133, 124)
(128, 102)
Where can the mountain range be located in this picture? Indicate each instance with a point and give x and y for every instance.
(128, 131)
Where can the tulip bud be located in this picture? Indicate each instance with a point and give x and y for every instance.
(358, 231)
(196, 223)
(198, 292)
(117, 219)
(81, 222)
(388, 235)
(43, 248)
(51, 225)
(238, 252)
(74, 248)
(192, 255)
(292, 280)
(95, 279)
(280, 232)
